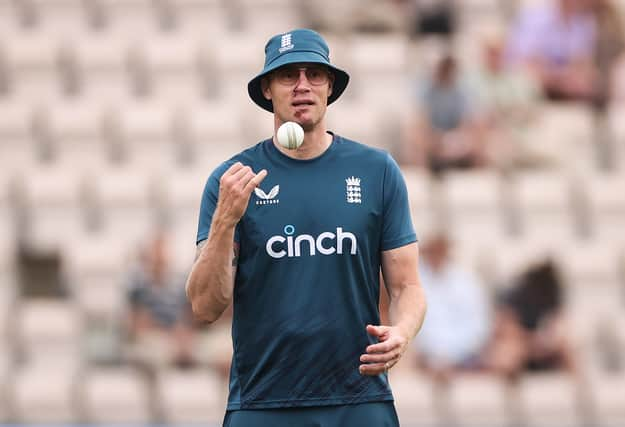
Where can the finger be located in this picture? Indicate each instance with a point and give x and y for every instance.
(233, 169)
(377, 331)
(383, 347)
(378, 368)
(380, 358)
(244, 179)
(372, 369)
(241, 173)
(256, 180)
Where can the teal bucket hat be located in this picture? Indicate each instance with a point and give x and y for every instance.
(297, 46)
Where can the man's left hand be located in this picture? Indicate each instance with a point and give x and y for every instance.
(382, 356)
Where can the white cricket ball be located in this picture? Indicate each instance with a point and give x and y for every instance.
(290, 135)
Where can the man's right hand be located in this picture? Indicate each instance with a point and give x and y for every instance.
(235, 187)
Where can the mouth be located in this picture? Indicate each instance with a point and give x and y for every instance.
(302, 103)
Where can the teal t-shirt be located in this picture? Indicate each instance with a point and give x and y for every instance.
(307, 280)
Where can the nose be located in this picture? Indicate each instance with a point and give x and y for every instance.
(302, 80)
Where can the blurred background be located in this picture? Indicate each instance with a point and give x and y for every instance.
(503, 114)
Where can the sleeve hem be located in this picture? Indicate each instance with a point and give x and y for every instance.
(402, 241)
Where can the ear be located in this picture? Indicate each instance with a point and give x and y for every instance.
(265, 89)
(330, 84)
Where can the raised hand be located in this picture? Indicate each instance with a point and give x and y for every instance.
(235, 187)
(382, 356)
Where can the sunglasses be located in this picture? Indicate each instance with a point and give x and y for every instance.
(288, 76)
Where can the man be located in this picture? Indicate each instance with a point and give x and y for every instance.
(300, 258)
(556, 42)
(455, 334)
(159, 314)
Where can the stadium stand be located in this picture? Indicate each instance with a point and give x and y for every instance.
(113, 113)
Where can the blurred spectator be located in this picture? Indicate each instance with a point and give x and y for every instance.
(160, 316)
(458, 322)
(505, 103)
(446, 135)
(531, 334)
(556, 41)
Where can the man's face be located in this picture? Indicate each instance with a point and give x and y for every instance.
(299, 93)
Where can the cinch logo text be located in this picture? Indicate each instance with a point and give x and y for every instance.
(326, 243)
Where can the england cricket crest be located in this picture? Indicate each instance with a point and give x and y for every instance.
(353, 191)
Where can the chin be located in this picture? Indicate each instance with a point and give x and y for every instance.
(307, 125)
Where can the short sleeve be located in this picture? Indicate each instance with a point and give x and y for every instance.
(209, 203)
(397, 228)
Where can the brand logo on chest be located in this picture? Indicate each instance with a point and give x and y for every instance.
(267, 198)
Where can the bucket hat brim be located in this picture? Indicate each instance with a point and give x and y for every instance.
(254, 89)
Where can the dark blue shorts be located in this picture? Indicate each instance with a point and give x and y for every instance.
(376, 414)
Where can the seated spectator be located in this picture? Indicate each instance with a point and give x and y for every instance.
(445, 135)
(531, 330)
(555, 41)
(458, 323)
(159, 314)
(506, 101)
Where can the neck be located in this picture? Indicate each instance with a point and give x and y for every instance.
(316, 142)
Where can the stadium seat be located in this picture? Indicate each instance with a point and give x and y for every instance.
(379, 67)
(95, 267)
(7, 226)
(15, 121)
(49, 330)
(56, 18)
(191, 396)
(123, 198)
(550, 399)
(238, 59)
(17, 149)
(359, 122)
(143, 134)
(606, 202)
(31, 60)
(258, 17)
(418, 186)
(205, 18)
(116, 396)
(52, 198)
(417, 400)
(210, 133)
(75, 127)
(591, 263)
(102, 66)
(129, 18)
(615, 125)
(45, 393)
(543, 202)
(8, 288)
(170, 64)
(479, 400)
(608, 400)
(474, 205)
(563, 137)
(182, 194)
(4, 375)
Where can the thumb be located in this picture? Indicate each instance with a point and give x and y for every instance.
(377, 331)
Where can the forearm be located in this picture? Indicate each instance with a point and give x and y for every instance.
(211, 281)
(407, 309)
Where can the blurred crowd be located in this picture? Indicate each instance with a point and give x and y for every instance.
(473, 110)
(562, 51)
